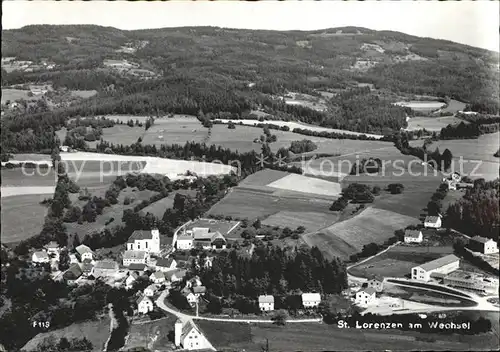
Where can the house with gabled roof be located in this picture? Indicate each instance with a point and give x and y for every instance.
(129, 281)
(84, 252)
(40, 257)
(190, 337)
(413, 236)
(376, 282)
(166, 264)
(483, 245)
(157, 277)
(105, 268)
(150, 290)
(136, 267)
(266, 302)
(365, 296)
(311, 299)
(175, 275)
(144, 305)
(135, 257)
(73, 273)
(433, 222)
(52, 248)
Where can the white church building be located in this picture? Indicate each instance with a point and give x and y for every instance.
(145, 240)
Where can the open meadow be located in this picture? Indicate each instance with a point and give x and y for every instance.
(431, 123)
(477, 154)
(314, 337)
(96, 331)
(153, 335)
(349, 236)
(16, 94)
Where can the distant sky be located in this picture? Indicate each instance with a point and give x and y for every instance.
(473, 23)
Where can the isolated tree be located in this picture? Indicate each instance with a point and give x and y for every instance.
(231, 125)
(280, 317)
(64, 260)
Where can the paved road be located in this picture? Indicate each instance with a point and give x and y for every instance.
(186, 317)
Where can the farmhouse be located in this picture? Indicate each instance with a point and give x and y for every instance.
(413, 236)
(157, 277)
(83, 252)
(190, 297)
(73, 273)
(166, 264)
(311, 300)
(201, 238)
(443, 265)
(148, 241)
(190, 337)
(432, 222)
(105, 268)
(483, 245)
(266, 302)
(129, 281)
(144, 305)
(87, 267)
(150, 290)
(134, 257)
(40, 257)
(185, 241)
(376, 283)
(365, 296)
(471, 281)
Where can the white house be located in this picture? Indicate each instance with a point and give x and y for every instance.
(190, 337)
(266, 302)
(433, 222)
(84, 253)
(148, 241)
(157, 277)
(185, 241)
(413, 236)
(52, 248)
(193, 282)
(365, 296)
(150, 290)
(190, 297)
(129, 281)
(443, 265)
(311, 300)
(174, 276)
(166, 264)
(40, 257)
(134, 257)
(483, 245)
(105, 268)
(144, 305)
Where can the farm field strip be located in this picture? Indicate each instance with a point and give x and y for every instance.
(300, 183)
(312, 221)
(293, 125)
(19, 191)
(431, 123)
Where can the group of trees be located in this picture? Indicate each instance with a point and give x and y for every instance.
(303, 146)
(50, 344)
(436, 159)
(235, 281)
(355, 193)
(477, 213)
(370, 165)
(435, 205)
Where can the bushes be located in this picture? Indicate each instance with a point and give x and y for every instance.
(303, 146)
(395, 188)
(339, 204)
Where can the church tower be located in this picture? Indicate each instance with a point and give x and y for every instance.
(155, 242)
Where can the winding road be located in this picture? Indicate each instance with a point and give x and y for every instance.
(160, 302)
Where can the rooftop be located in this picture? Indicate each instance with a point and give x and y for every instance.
(137, 266)
(413, 233)
(164, 262)
(266, 299)
(199, 289)
(369, 290)
(481, 239)
(310, 296)
(127, 255)
(432, 219)
(435, 264)
(142, 298)
(52, 244)
(140, 235)
(106, 264)
(41, 254)
(158, 275)
(151, 287)
(81, 249)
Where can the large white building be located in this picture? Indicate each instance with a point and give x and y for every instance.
(147, 241)
(135, 257)
(443, 265)
(40, 257)
(144, 305)
(311, 300)
(266, 303)
(200, 237)
(190, 337)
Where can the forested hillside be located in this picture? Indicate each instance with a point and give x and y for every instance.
(211, 70)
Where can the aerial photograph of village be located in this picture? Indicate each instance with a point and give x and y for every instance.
(250, 176)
